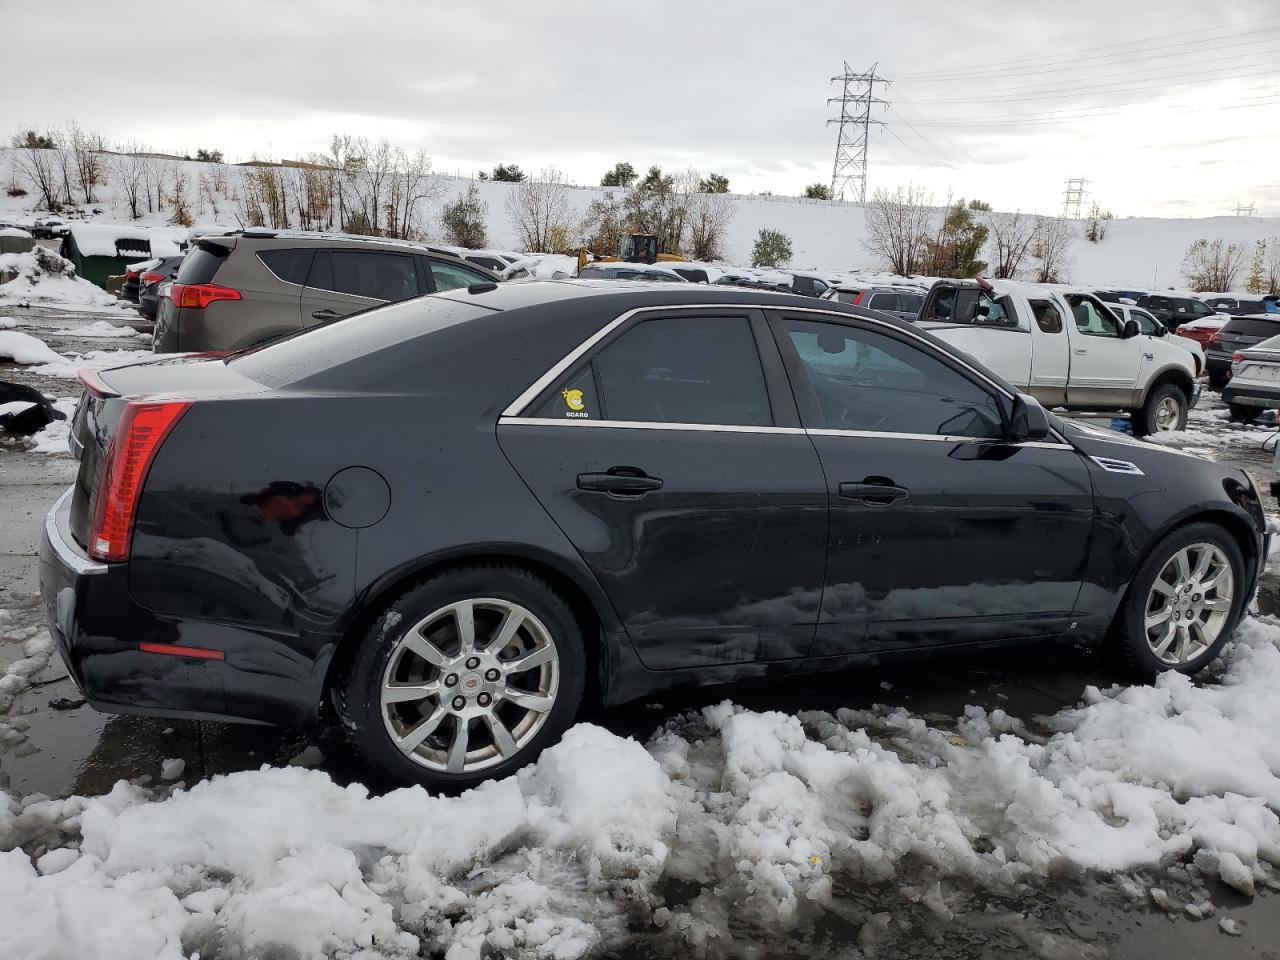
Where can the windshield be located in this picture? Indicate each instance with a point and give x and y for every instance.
(332, 344)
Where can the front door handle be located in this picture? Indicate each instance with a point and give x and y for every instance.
(876, 490)
(619, 482)
(1081, 352)
(325, 314)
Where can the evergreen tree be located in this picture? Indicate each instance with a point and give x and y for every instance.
(772, 249)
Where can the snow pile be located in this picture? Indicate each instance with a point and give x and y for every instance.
(26, 349)
(45, 278)
(732, 827)
(101, 329)
(54, 437)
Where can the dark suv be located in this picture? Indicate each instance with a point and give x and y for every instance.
(246, 288)
(1238, 333)
(1174, 311)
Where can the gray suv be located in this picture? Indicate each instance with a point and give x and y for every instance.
(245, 288)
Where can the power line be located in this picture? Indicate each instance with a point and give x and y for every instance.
(857, 97)
(1059, 117)
(1080, 56)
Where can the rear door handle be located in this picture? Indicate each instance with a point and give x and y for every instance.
(1081, 352)
(325, 315)
(876, 490)
(620, 482)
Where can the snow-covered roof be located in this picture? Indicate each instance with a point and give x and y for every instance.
(14, 232)
(99, 239)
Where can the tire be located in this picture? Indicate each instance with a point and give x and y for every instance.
(1242, 414)
(1218, 381)
(1164, 409)
(495, 593)
(1140, 642)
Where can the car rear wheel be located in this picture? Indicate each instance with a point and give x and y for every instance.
(464, 678)
(1184, 602)
(1165, 409)
(1242, 414)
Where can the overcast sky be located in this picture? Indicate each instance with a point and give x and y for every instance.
(1167, 108)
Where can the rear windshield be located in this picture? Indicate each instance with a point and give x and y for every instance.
(202, 263)
(316, 349)
(1272, 344)
(1250, 327)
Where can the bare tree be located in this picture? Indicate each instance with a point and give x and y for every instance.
(178, 200)
(155, 175)
(603, 226)
(1012, 235)
(1271, 270)
(1050, 246)
(38, 164)
(1212, 266)
(87, 151)
(539, 210)
(709, 217)
(417, 188)
(128, 169)
(370, 166)
(898, 226)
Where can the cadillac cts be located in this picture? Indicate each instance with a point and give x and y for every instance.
(455, 517)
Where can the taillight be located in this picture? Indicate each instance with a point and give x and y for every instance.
(199, 295)
(1237, 357)
(151, 278)
(142, 428)
(1214, 337)
(131, 274)
(858, 299)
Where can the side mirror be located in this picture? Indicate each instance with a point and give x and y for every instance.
(1029, 420)
(1130, 329)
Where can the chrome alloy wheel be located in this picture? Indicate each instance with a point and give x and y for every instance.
(470, 685)
(1167, 414)
(1189, 603)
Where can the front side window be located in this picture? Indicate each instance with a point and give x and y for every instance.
(872, 382)
(369, 274)
(1091, 320)
(1148, 324)
(685, 370)
(449, 276)
(1199, 310)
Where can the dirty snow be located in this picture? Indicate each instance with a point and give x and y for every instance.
(46, 279)
(101, 328)
(731, 824)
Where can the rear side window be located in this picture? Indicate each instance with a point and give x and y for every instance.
(369, 274)
(291, 265)
(846, 296)
(202, 263)
(492, 263)
(450, 277)
(574, 399)
(1048, 317)
(1248, 327)
(685, 370)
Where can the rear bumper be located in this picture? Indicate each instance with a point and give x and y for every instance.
(1217, 362)
(100, 631)
(1252, 394)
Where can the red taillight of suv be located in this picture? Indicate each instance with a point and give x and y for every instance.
(199, 295)
(141, 430)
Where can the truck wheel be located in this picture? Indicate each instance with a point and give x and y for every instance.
(1164, 410)
(1242, 414)
(466, 677)
(1184, 601)
(1218, 381)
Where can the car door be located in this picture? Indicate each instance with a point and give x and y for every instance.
(1106, 368)
(941, 530)
(343, 281)
(672, 457)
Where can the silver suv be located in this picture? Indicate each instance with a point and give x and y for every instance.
(245, 288)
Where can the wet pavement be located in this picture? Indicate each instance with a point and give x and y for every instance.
(52, 744)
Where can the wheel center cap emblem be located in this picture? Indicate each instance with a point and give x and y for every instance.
(472, 682)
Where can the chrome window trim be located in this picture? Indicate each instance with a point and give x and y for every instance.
(735, 428)
(644, 425)
(53, 533)
(520, 403)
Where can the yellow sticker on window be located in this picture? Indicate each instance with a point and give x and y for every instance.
(573, 399)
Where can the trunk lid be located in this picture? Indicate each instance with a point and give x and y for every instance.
(192, 377)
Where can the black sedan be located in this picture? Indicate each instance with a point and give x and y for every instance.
(457, 516)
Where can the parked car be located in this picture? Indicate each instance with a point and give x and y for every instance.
(1202, 331)
(806, 285)
(132, 278)
(621, 270)
(244, 288)
(902, 303)
(1255, 380)
(811, 487)
(1234, 335)
(149, 282)
(1174, 311)
(50, 228)
(1151, 327)
(490, 259)
(845, 293)
(691, 273)
(1234, 306)
(1079, 355)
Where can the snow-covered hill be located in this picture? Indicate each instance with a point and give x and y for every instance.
(1140, 253)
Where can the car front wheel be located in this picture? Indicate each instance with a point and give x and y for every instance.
(1165, 409)
(466, 677)
(1184, 601)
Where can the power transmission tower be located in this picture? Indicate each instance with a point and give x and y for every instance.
(850, 168)
(1073, 197)
(1242, 210)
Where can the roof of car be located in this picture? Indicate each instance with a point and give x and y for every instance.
(516, 294)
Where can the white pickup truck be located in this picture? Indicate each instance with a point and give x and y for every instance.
(1066, 348)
